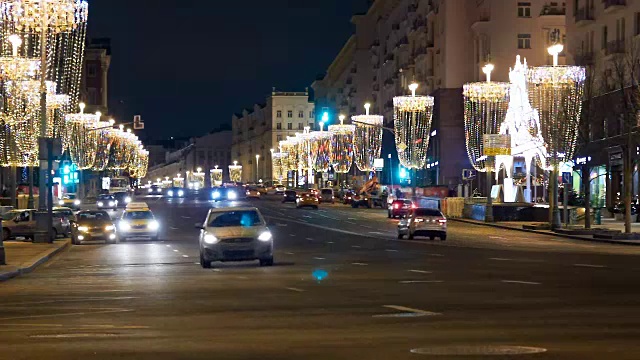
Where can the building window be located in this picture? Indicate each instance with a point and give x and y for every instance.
(311, 115)
(279, 126)
(290, 114)
(92, 96)
(605, 129)
(311, 125)
(290, 126)
(279, 137)
(524, 41)
(301, 114)
(279, 113)
(300, 126)
(636, 23)
(92, 70)
(524, 9)
(605, 35)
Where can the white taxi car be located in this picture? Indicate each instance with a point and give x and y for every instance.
(423, 222)
(138, 221)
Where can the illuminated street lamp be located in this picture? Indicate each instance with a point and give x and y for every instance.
(257, 167)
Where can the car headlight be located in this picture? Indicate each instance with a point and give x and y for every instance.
(61, 202)
(124, 226)
(100, 203)
(127, 200)
(180, 193)
(248, 193)
(265, 236)
(170, 192)
(158, 190)
(76, 202)
(210, 239)
(153, 225)
(111, 203)
(83, 228)
(149, 190)
(215, 195)
(231, 195)
(109, 228)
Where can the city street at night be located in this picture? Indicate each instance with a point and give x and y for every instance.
(342, 287)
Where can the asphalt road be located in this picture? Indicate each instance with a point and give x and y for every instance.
(343, 287)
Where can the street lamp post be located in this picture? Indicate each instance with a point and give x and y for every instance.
(390, 170)
(257, 168)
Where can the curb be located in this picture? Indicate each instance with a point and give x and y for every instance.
(27, 269)
(573, 237)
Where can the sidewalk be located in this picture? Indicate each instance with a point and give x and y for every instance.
(608, 225)
(24, 257)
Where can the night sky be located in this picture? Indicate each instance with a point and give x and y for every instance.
(187, 65)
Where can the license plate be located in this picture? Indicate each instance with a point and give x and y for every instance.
(97, 234)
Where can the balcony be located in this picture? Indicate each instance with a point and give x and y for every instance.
(481, 22)
(584, 16)
(614, 5)
(615, 47)
(549, 10)
(586, 58)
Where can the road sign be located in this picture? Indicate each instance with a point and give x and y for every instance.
(378, 164)
(468, 174)
(138, 124)
(567, 178)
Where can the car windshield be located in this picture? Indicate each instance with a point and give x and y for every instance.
(427, 212)
(105, 197)
(327, 192)
(10, 215)
(138, 215)
(93, 216)
(63, 212)
(243, 218)
(70, 196)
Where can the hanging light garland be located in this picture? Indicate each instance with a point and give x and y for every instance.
(485, 106)
(140, 163)
(305, 155)
(104, 139)
(216, 176)
(57, 15)
(82, 138)
(235, 172)
(321, 148)
(342, 146)
(279, 166)
(368, 139)
(412, 125)
(288, 147)
(117, 156)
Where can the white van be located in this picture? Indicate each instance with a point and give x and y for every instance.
(327, 196)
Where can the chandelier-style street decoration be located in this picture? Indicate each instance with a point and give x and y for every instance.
(216, 176)
(56, 16)
(412, 125)
(140, 163)
(235, 172)
(14, 67)
(288, 147)
(342, 146)
(368, 139)
(82, 138)
(104, 138)
(19, 141)
(321, 148)
(117, 154)
(305, 157)
(485, 106)
(556, 92)
(279, 166)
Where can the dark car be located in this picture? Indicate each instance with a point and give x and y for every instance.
(175, 192)
(106, 201)
(399, 208)
(289, 196)
(154, 190)
(347, 197)
(123, 198)
(93, 225)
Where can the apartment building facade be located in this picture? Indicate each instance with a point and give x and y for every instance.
(256, 131)
(94, 90)
(441, 45)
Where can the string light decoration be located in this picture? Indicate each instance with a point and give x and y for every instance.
(104, 138)
(279, 166)
(117, 156)
(342, 146)
(321, 148)
(557, 92)
(485, 106)
(140, 163)
(216, 176)
(14, 67)
(19, 142)
(235, 172)
(412, 125)
(288, 147)
(368, 139)
(305, 156)
(82, 138)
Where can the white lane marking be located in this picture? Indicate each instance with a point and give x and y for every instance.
(376, 232)
(216, 270)
(497, 237)
(350, 222)
(186, 217)
(328, 217)
(319, 258)
(408, 309)
(289, 253)
(306, 216)
(281, 224)
(292, 235)
(420, 271)
(173, 228)
(500, 259)
(391, 250)
(294, 289)
(590, 266)
(356, 246)
(437, 255)
(101, 311)
(329, 242)
(359, 264)
(420, 281)
(168, 245)
(352, 219)
(310, 239)
(175, 250)
(520, 282)
(185, 256)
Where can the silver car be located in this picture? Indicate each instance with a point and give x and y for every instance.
(235, 234)
(423, 222)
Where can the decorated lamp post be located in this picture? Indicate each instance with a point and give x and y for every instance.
(81, 141)
(105, 137)
(485, 106)
(412, 125)
(556, 92)
(216, 176)
(290, 160)
(368, 139)
(235, 172)
(342, 146)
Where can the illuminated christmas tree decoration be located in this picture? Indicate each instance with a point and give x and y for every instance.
(342, 146)
(412, 125)
(235, 172)
(82, 138)
(216, 176)
(368, 139)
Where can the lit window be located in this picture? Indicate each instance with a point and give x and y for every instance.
(524, 41)
(524, 9)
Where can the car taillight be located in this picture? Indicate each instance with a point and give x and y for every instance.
(413, 206)
(442, 221)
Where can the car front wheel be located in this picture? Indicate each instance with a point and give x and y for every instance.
(400, 236)
(204, 262)
(266, 262)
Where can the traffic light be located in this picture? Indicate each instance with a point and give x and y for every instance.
(403, 173)
(138, 124)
